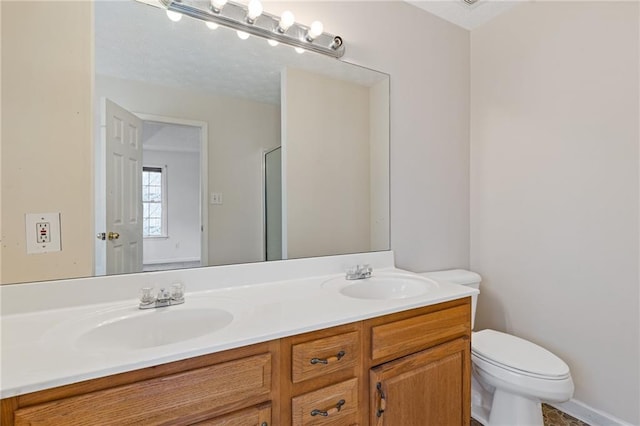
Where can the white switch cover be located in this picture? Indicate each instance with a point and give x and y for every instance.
(42, 232)
(216, 198)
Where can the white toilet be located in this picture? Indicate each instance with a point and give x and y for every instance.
(512, 377)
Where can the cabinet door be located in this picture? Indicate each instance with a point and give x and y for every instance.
(431, 387)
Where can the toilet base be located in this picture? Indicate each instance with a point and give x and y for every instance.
(509, 409)
(495, 407)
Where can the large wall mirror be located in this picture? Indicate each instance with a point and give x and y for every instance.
(206, 149)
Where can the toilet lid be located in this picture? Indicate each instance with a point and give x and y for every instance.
(517, 354)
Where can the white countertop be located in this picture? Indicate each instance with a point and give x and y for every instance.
(40, 350)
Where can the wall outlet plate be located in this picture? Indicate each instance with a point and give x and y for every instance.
(42, 232)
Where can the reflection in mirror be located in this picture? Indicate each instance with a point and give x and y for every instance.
(207, 149)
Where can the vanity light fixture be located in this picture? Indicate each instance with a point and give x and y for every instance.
(217, 5)
(314, 31)
(272, 43)
(252, 19)
(286, 21)
(242, 35)
(212, 25)
(254, 9)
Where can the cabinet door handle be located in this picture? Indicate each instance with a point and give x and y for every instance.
(336, 357)
(327, 413)
(382, 400)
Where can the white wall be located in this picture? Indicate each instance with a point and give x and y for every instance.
(428, 59)
(182, 243)
(239, 130)
(554, 195)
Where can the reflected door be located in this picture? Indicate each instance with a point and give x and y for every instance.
(273, 204)
(123, 236)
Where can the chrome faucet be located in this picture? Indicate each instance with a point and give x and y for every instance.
(359, 272)
(164, 297)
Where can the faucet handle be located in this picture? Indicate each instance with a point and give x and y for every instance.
(177, 291)
(146, 295)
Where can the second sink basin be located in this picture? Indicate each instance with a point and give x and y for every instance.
(382, 287)
(155, 327)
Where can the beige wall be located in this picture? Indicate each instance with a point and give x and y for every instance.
(239, 130)
(554, 188)
(46, 79)
(326, 163)
(379, 169)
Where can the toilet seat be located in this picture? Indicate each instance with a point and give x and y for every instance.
(517, 355)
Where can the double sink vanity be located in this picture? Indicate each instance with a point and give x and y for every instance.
(263, 344)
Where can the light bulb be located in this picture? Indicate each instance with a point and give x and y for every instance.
(272, 43)
(211, 25)
(300, 50)
(217, 5)
(242, 35)
(286, 20)
(316, 29)
(174, 16)
(254, 10)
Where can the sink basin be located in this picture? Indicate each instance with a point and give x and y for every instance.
(382, 287)
(155, 327)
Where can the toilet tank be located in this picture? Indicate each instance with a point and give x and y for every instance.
(462, 277)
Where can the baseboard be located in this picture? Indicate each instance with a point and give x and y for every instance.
(587, 414)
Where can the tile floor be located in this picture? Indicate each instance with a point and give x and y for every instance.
(552, 417)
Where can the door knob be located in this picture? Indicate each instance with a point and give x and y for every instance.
(101, 236)
(113, 236)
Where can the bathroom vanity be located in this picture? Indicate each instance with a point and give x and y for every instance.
(342, 360)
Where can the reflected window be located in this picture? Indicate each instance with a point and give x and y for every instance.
(154, 197)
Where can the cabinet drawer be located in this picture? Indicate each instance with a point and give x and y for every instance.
(410, 335)
(324, 356)
(254, 416)
(181, 398)
(333, 405)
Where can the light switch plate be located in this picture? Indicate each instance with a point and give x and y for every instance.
(215, 198)
(42, 232)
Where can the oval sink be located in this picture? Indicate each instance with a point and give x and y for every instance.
(154, 327)
(383, 287)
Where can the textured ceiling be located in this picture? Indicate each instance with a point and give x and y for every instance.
(138, 42)
(465, 15)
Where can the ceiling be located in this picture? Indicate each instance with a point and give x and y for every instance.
(465, 15)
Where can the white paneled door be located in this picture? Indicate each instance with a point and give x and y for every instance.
(123, 236)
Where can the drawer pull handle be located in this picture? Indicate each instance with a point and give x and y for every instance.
(325, 361)
(382, 400)
(326, 413)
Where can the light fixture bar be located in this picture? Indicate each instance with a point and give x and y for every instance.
(234, 15)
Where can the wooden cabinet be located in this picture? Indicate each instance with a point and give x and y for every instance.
(410, 368)
(254, 416)
(425, 388)
(331, 405)
(420, 367)
(320, 379)
(180, 393)
(324, 356)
